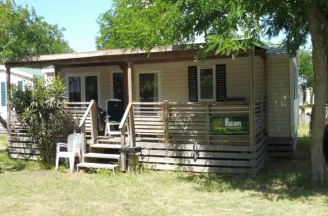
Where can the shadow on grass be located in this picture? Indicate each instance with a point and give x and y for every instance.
(279, 179)
(10, 165)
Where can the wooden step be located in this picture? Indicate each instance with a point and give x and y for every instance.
(110, 140)
(115, 140)
(106, 146)
(99, 155)
(113, 133)
(97, 165)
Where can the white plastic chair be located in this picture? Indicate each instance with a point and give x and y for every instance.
(73, 146)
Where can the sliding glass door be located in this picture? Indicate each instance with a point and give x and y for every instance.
(149, 86)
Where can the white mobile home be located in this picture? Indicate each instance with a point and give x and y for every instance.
(216, 115)
(19, 77)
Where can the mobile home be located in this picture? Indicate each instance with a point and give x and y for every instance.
(214, 115)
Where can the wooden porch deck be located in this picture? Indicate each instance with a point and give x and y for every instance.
(171, 135)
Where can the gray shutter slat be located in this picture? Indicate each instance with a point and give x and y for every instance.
(192, 84)
(221, 82)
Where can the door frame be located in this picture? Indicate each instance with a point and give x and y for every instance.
(159, 72)
(82, 77)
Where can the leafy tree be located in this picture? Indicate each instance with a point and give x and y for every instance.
(306, 72)
(228, 26)
(146, 24)
(41, 111)
(24, 33)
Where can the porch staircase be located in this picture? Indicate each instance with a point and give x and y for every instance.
(104, 154)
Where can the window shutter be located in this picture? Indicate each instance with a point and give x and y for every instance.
(221, 82)
(3, 94)
(20, 85)
(192, 84)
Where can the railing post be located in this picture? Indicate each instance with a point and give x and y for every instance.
(123, 155)
(165, 108)
(94, 125)
(207, 123)
(252, 132)
(132, 129)
(84, 142)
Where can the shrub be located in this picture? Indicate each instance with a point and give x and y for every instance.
(41, 110)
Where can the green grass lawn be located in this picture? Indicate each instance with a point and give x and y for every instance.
(282, 188)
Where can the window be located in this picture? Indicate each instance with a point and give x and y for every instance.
(3, 94)
(20, 85)
(206, 87)
(74, 86)
(149, 86)
(82, 88)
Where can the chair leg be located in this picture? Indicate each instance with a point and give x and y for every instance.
(106, 129)
(57, 163)
(109, 128)
(79, 156)
(71, 164)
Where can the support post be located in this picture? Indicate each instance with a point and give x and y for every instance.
(56, 69)
(265, 77)
(84, 142)
(123, 155)
(94, 122)
(130, 81)
(131, 113)
(132, 129)
(252, 131)
(262, 119)
(166, 121)
(265, 94)
(8, 107)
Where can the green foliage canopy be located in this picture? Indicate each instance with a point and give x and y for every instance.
(146, 24)
(24, 33)
(306, 69)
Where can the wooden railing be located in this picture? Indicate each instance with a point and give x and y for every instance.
(260, 119)
(87, 118)
(190, 122)
(155, 123)
(125, 127)
(182, 123)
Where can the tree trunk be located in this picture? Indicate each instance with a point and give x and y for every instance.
(3, 122)
(320, 77)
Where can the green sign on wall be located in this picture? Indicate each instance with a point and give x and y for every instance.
(225, 125)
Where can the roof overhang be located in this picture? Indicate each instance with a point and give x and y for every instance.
(120, 56)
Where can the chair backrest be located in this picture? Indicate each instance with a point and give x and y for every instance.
(74, 140)
(115, 110)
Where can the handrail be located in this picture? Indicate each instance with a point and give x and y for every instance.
(86, 113)
(126, 113)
